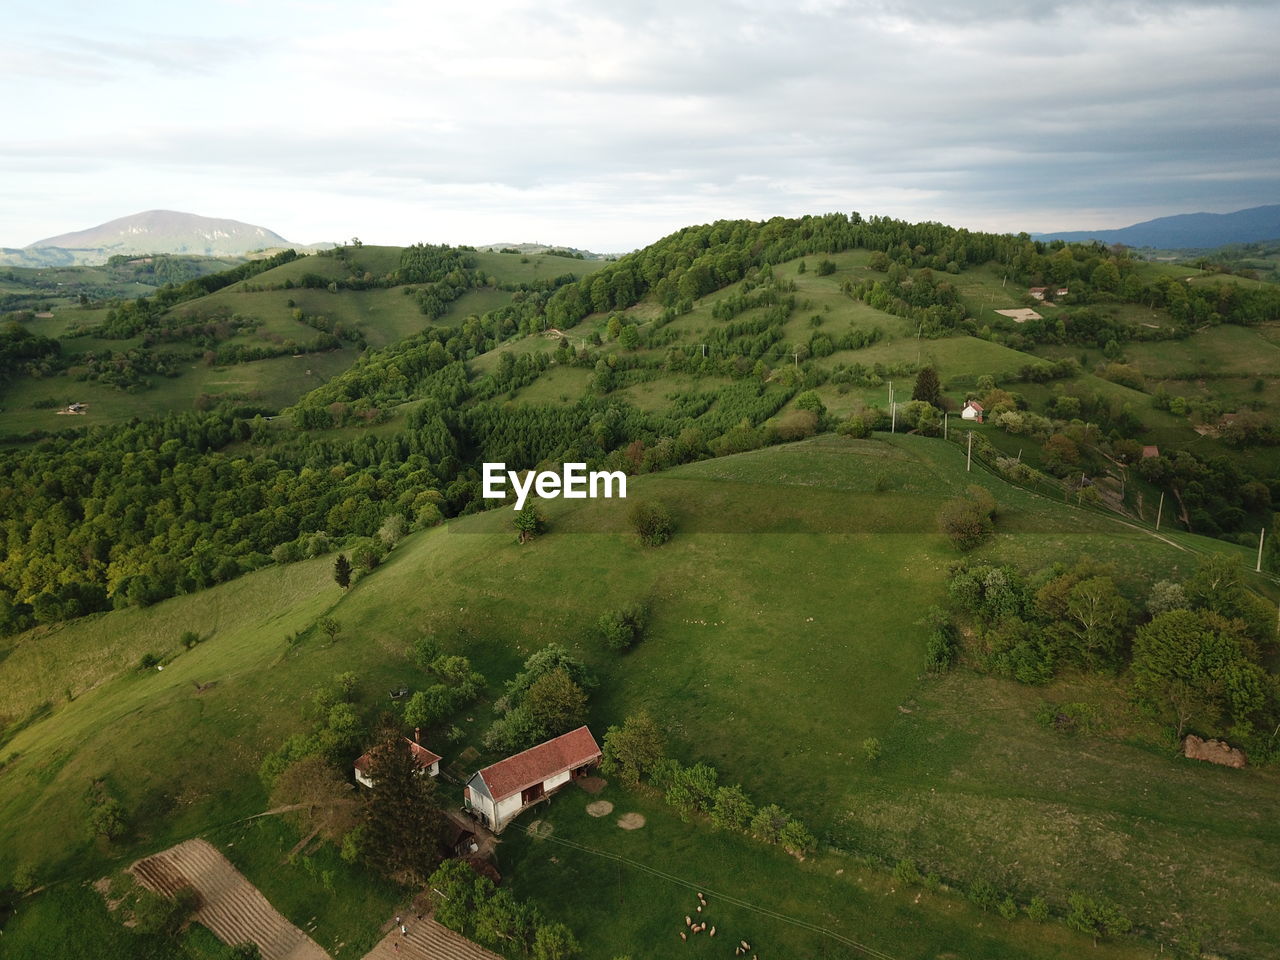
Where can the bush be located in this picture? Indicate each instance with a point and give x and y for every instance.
(149, 661)
(652, 522)
(872, 748)
(1038, 909)
(1008, 908)
(623, 628)
(906, 873)
(965, 523)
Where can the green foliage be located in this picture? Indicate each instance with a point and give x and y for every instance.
(1097, 917)
(105, 814)
(731, 809)
(157, 914)
(528, 522)
(634, 749)
(965, 523)
(652, 522)
(928, 387)
(342, 571)
(402, 817)
(547, 698)
(623, 628)
(872, 749)
(1038, 909)
(907, 873)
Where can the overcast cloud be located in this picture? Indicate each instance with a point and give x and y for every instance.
(609, 126)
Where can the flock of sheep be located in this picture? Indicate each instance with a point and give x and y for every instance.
(698, 926)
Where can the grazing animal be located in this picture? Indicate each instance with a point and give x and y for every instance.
(688, 920)
(745, 946)
(699, 908)
(712, 933)
(682, 936)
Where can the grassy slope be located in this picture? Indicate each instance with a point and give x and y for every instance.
(773, 653)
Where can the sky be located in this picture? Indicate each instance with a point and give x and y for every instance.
(607, 126)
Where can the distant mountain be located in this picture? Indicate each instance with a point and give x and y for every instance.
(1187, 230)
(155, 231)
(536, 248)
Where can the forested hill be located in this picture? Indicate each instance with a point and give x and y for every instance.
(697, 346)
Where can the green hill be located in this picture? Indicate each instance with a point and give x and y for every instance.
(786, 628)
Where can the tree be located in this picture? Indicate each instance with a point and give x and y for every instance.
(1190, 669)
(331, 627)
(633, 749)
(768, 822)
(402, 821)
(796, 838)
(731, 809)
(555, 703)
(528, 523)
(1096, 616)
(555, 941)
(652, 522)
(928, 387)
(342, 571)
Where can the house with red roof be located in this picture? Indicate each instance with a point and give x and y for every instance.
(427, 761)
(972, 411)
(499, 793)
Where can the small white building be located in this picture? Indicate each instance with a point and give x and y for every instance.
(499, 793)
(972, 411)
(427, 761)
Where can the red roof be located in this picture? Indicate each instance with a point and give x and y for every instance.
(974, 405)
(566, 752)
(420, 753)
(1150, 452)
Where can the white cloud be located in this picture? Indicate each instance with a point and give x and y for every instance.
(609, 126)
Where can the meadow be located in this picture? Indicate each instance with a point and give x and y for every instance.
(785, 630)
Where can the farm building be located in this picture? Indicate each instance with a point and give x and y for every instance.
(972, 411)
(499, 793)
(1037, 292)
(1150, 451)
(427, 761)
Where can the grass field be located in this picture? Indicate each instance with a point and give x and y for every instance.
(784, 631)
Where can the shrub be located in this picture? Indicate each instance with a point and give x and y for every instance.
(872, 748)
(1038, 909)
(906, 873)
(652, 522)
(149, 661)
(1008, 908)
(768, 822)
(965, 523)
(623, 628)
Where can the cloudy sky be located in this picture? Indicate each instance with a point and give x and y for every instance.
(607, 126)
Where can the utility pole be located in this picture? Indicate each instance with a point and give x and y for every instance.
(704, 350)
(1261, 533)
(968, 463)
(1160, 510)
(946, 414)
(893, 422)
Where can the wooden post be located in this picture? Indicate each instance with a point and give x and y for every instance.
(946, 416)
(893, 414)
(1261, 533)
(1160, 510)
(968, 463)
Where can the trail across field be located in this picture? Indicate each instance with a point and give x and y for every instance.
(237, 912)
(230, 905)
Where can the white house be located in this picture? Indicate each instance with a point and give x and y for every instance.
(972, 411)
(499, 793)
(427, 761)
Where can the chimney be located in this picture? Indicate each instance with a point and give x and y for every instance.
(417, 735)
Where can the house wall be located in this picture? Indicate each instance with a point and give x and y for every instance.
(435, 768)
(507, 809)
(559, 780)
(362, 779)
(482, 804)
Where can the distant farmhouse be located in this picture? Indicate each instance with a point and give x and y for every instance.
(972, 411)
(427, 761)
(499, 793)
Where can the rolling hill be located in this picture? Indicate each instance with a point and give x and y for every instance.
(1186, 230)
(785, 631)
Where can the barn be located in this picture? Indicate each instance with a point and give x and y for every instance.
(427, 761)
(499, 793)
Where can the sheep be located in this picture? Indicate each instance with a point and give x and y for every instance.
(688, 920)
(699, 908)
(746, 947)
(712, 933)
(682, 936)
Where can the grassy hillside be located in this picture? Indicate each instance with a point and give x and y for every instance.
(786, 629)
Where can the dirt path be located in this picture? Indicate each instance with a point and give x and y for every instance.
(230, 905)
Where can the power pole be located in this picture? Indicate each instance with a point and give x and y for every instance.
(968, 463)
(704, 350)
(893, 422)
(1261, 533)
(1160, 510)
(946, 414)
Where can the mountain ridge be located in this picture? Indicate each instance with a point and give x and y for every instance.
(1185, 230)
